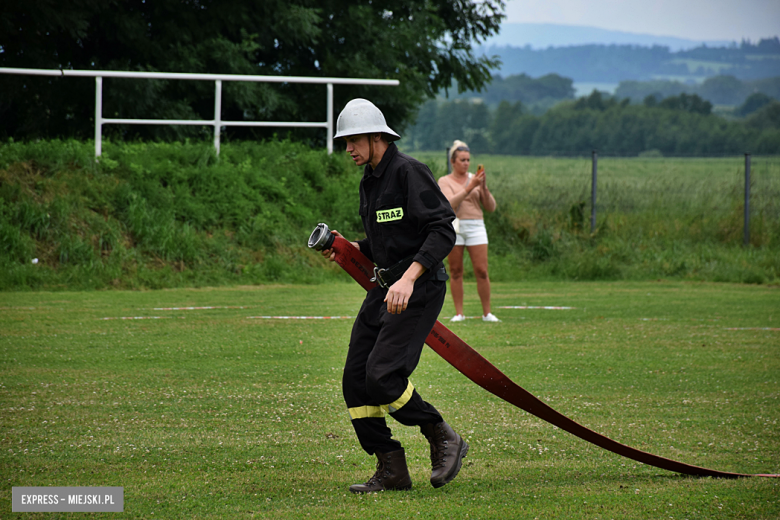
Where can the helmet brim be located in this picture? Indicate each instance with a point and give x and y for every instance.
(390, 136)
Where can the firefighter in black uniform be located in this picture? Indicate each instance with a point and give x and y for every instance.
(408, 225)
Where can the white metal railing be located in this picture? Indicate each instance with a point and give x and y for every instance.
(217, 122)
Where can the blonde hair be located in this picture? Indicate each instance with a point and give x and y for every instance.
(454, 148)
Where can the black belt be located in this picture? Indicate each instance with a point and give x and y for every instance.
(385, 277)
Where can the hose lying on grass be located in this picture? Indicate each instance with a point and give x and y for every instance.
(471, 364)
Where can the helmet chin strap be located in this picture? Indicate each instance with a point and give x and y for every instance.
(370, 149)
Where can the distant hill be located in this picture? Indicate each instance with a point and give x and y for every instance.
(543, 35)
(539, 94)
(616, 63)
(719, 90)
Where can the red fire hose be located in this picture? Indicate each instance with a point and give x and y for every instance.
(471, 364)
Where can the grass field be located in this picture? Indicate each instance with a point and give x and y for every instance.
(211, 413)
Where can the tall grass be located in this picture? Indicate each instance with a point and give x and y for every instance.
(152, 215)
(656, 217)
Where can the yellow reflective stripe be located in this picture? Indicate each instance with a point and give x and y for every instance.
(398, 403)
(363, 412)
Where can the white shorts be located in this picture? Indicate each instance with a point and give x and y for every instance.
(471, 232)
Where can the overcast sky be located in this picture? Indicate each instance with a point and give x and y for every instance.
(693, 19)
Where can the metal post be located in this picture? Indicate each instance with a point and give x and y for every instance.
(98, 116)
(329, 137)
(747, 200)
(449, 165)
(593, 192)
(217, 112)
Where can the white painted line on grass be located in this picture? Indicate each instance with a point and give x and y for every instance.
(299, 317)
(194, 308)
(753, 328)
(534, 307)
(137, 318)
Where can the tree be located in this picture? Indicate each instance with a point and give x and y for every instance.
(640, 90)
(423, 135)
(723, 90)
(427, 44)
(689, 103)
(766, 118)
(464, 120)
(595, 101)
(754, 102)
(504, 137)
(475, 128)
(651, 100)
(528, 90)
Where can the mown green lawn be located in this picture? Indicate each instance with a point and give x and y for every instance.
(210, 413)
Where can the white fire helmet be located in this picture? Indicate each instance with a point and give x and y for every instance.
(361, 116)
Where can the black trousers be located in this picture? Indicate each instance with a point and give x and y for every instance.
(384, 350)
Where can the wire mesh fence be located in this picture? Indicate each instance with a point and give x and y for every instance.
(700, 198)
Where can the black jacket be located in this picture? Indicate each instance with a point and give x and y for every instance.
(404, 213)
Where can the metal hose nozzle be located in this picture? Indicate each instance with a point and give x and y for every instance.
(321, 238)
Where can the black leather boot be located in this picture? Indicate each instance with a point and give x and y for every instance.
(391, 474)
(447, 452)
